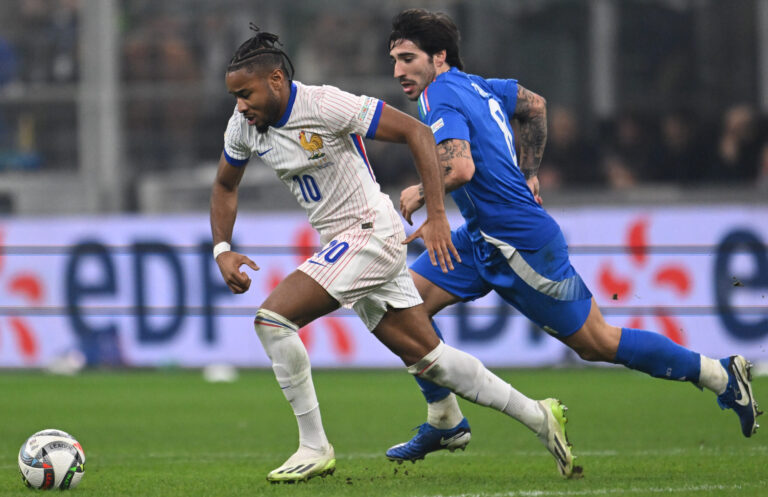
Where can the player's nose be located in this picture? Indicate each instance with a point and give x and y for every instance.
(241, 105)
(397, 71)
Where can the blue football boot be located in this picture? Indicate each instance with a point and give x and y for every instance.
(738, 393)
(429, 439)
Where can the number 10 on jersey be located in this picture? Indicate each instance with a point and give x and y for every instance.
(309, 189)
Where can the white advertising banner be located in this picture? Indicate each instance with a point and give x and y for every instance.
(145, 291)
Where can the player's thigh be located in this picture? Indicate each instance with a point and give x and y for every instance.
(559, 318)
(435, 298)
(395, 314)
(544, 287)
(397, 292)
(596, 340)
(407, 333)
(463, 283)
(300, 299)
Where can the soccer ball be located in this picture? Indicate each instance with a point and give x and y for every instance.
(51, 459)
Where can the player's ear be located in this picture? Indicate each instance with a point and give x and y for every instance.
(439, 58)
(276, 79)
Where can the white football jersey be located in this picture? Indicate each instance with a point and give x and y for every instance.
(317, 150)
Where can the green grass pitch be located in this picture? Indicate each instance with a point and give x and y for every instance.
(149, 433)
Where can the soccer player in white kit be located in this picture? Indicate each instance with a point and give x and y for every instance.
(312, 137)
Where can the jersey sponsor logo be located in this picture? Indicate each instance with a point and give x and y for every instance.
(312, 143)
(437, 125)
(260, 154)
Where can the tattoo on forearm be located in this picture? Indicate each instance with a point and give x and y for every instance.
(421, 191)
(532, 114)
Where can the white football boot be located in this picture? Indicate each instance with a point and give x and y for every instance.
(554, 438)
(304, 464)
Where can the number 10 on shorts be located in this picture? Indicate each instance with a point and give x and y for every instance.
(332, 252)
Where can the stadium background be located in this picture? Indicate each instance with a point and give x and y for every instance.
(111, 121)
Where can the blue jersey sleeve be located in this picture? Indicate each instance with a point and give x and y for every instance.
(506, 91)
(438, 109)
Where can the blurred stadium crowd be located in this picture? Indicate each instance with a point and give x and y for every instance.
(686, 103)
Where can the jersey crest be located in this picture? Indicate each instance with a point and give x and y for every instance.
(312, 144)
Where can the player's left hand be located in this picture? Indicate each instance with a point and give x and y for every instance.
(436, 234)
(533, 185)
(411, 200)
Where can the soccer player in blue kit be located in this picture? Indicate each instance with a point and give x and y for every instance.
(509, 244)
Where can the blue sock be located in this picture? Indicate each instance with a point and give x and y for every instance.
(432, 392)
(658, 356)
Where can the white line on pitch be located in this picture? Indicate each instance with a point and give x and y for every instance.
(613, 491)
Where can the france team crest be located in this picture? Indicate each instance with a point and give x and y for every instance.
(313, 145)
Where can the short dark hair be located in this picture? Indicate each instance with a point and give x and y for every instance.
(260, 52)
(430, 31)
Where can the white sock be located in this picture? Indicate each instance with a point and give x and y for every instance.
(311, 432)
(466, 376)
(444, 413)
(713, 375)
(526, 410)
(290, 363)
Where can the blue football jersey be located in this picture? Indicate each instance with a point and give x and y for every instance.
(497, 199)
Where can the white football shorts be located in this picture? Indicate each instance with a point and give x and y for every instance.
(365, 272)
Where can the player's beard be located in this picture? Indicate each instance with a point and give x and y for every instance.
(423, 80)
(271, 112)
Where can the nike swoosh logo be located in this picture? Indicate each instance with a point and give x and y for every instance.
(313, 262)
(264, 152)
(445, 441)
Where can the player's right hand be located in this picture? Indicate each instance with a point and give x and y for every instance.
(436, 234)
(229, 265)
(411, 200)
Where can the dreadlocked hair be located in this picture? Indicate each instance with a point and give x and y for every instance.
(260, 51)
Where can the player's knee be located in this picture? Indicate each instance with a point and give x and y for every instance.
(425, 366)
(590, 353)
(271, 326)
(595, 345)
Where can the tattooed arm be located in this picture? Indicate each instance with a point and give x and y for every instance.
(458, 167)
(531, 113)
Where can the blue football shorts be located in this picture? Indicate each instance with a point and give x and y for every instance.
(541, 284)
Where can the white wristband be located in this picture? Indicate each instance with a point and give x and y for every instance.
(220, 248)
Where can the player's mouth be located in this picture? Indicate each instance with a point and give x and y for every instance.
(409, 87)
(251, 119)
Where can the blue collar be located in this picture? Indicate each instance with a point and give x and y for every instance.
(288, 109)
(452, 69)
